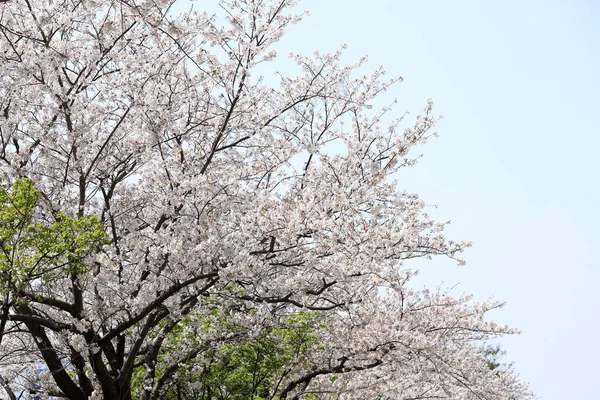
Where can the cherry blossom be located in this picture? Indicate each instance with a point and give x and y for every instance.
(224, 206)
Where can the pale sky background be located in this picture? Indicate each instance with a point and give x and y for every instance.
(516, 167)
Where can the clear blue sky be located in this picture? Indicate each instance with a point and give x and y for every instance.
(516, 167)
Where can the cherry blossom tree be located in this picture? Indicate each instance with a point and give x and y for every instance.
(229, 205)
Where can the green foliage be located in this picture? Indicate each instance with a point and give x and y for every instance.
(31, 250)
(246, 369)
(493, 355)
(250, 369)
